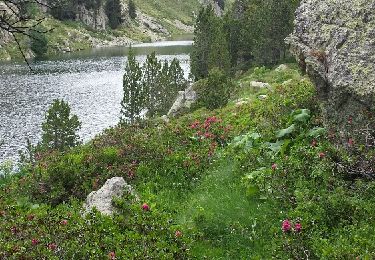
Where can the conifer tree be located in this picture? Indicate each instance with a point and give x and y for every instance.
(132, 9)
(133, 101)
(210, 47)
(60, 127)
(151, 82)
(113, 12)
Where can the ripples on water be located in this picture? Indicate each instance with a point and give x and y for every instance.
(91, 85)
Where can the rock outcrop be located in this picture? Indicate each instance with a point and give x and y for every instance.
(102, 198)
(96, 19)
(184, 100)
(334, 42)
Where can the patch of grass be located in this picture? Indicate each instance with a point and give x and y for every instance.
(224, 221)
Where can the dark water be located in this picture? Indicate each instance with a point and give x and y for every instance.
(91, 81)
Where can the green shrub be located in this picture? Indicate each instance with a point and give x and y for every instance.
(214, 92)
(39, 42)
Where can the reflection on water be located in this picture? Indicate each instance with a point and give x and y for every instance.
(91, 81)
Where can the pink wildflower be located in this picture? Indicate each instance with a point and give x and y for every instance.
(178, 233)
(112, 255)
(286, 226)
(195, 124)
(322, 155)
(350, 142)
(145, 207)
(314, 143)
(52, 246)
(34, 241)
(64, 222)
(274, 166)
(298, 227)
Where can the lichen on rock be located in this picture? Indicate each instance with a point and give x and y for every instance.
(102, 198)
(334, 42)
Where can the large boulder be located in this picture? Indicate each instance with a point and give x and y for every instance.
(183, 101)
(102, 198)
(334, 42)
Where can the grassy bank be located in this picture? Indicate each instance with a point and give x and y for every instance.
(232, 183)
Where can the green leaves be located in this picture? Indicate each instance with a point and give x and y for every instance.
(317, 132)
(285, 132)
(302, 115)
(246, 141)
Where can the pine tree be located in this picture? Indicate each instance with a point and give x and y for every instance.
(60, 127)
(210, 47)
(132, 9)
(153, 86)
(113, 12)
(151, 82)
(133, 101)
(264, 26)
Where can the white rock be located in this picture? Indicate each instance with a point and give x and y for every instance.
(257, 84)
(262, 97)
(102, 198)
(282, 67)
(165, 118)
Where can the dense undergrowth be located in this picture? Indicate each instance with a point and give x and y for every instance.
(256, 179)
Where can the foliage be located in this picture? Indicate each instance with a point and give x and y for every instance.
(264, 26)
(113, 12)
(60, 127)
(214, 92)
(253, 32)
(151, 87)
(210, 48)
(133, 100)
(233, 183)
(38, 42)
(132, 9)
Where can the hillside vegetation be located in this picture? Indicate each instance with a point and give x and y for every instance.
(255, 179)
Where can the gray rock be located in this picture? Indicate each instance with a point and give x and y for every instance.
(257, 84)
(242, 101)
(102, 198)
(184, 100)
(262, 97)
(334, 43)
(282, 67)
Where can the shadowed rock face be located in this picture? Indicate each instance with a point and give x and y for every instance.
(334, 42)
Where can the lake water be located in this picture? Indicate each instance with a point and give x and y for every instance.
(91, 81)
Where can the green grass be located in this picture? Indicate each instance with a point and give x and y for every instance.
(226, 222)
